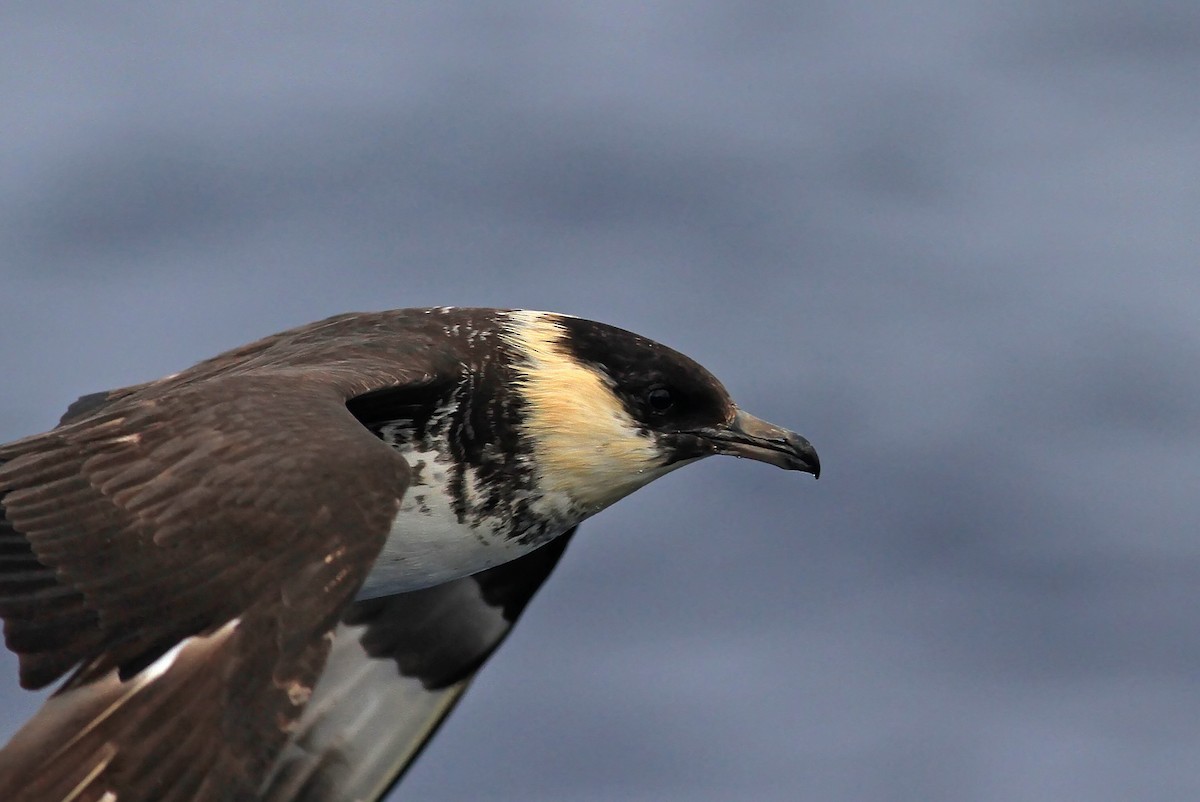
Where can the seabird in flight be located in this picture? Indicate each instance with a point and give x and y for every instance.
(272, 575)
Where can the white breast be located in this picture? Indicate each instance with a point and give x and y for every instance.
(428, 545)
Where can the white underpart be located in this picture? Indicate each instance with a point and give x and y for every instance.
(588, 452)
(428, 545)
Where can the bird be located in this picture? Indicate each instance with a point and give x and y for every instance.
(271, 576)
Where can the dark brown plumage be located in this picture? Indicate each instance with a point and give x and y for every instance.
(190, 550)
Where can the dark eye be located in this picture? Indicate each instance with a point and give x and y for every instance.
(660, 399)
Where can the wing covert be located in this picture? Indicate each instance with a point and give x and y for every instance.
(158, 519)
(209, 539)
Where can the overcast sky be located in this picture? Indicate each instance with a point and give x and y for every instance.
(953, 243)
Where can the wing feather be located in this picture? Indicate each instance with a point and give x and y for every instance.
(118, 543)
(140, 546)
(385, 692)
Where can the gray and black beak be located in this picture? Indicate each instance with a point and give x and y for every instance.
(750, 437)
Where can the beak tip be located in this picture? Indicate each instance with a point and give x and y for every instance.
(806, 456)
(747, 436)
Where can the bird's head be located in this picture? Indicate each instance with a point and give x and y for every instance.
(607, 411)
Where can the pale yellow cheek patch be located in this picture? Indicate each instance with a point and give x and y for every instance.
(587, 445)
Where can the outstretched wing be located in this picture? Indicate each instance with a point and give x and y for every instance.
(188, 554)
(398, 667)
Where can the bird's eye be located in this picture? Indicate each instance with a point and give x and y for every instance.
(660, 399)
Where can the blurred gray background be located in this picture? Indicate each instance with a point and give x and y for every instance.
(953, 243)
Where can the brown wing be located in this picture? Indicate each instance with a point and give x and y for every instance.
(398, 667)
(236, 516)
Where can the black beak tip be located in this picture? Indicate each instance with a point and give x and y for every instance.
(747, 436)
(805, 456)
